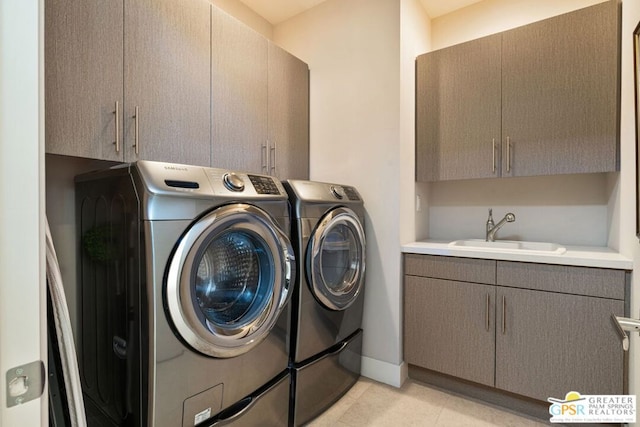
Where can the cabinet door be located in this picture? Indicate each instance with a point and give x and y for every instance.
(239, 105)
(548, 344)
(83, 78)
(458, 111)
(449, 327)
(288, 115)
(560, 88)
(167, 78)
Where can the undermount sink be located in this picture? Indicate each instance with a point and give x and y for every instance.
(509, 246)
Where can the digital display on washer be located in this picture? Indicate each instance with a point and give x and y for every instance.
(264, 184)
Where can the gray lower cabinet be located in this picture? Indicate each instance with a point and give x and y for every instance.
(260, 98)
(128, 80)
(548, 344)
(541, 99)
(535, 330)
(450, 327)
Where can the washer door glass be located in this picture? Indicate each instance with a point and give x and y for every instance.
(233, 280)
(336, 259)
(228, 280)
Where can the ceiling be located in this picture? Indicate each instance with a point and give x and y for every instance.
(277, 11)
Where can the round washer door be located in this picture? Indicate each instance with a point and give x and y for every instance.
(229, 279)
(336, 259)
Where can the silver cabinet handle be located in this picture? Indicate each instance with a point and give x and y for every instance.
(487, 325)
(272, 164)
(509, 154)
(504, 315)
(117, 113)
(263, 152)
(493, 154)
(136, 140)
(623, 324)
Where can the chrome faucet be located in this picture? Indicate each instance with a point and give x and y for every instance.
(492, 228)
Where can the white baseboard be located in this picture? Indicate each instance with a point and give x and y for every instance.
(384, 372)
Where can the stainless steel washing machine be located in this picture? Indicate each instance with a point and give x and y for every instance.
(329, 242)
(185, 280)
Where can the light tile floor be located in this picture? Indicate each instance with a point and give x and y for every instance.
(371, 404)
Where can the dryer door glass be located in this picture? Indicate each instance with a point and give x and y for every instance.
(335, 259)
(228, 280)
(339, 259)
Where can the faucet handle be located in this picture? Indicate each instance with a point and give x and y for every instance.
(490, 224)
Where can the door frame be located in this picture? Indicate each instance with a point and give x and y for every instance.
(22, 265)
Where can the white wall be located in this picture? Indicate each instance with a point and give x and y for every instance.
(352, 48)
(22, 272)
(570, 209)
(415, 39)
(361, 54)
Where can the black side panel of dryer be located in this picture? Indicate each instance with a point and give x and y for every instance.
(110, 323)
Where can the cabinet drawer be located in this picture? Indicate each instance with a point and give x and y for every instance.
(597, 282)
(451, 268)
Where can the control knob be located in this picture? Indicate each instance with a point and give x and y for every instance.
(233, 182)
(338, 191)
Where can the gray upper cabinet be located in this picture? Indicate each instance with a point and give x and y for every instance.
(239, 81)
(288, 115)
(541, 99)
(83, 78)
(175, 81)
(560, 92)
(152, 57)
(260, 103)
(167, 53)
(458, 110)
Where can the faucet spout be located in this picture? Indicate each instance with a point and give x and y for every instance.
(493, 229)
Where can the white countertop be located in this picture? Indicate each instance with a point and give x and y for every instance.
(585, 256)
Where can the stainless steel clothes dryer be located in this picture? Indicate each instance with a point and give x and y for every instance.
(329, 241)
(185, 279)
